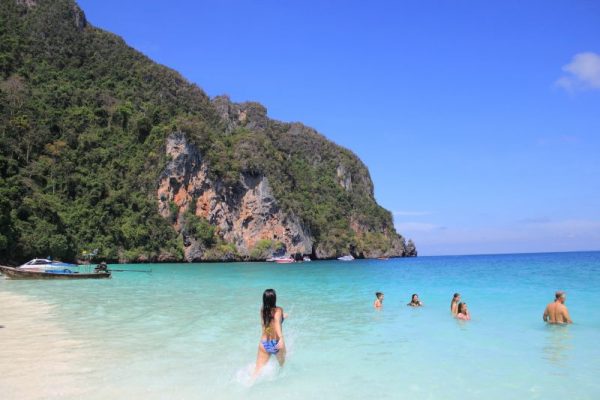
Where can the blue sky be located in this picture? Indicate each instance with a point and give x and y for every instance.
(479, 121)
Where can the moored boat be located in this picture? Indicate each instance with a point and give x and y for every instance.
(44, 264)
(64, 273)
(346, 258)
(285, 260)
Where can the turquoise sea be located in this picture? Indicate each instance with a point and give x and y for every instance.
(190, 331)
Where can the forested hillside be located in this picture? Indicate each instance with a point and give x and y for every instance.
(84, 121)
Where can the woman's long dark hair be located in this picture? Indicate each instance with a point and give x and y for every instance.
(269, 306)
(460, 307)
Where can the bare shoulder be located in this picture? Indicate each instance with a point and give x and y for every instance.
(562, 307)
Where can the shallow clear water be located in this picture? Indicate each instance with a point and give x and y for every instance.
(191, 331)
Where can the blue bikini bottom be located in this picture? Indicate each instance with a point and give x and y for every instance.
(269, 346)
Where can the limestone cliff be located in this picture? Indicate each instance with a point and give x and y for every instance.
(246, 210)
(244, 214)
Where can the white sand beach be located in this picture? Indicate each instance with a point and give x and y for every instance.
(38, 360)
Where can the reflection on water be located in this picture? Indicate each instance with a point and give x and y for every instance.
(558, 347)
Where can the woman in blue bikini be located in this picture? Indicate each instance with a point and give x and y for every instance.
(271, 341)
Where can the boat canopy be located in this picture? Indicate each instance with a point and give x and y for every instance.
(37, 261)
(44, 262)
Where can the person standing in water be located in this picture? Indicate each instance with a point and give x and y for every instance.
(271, 340)
(415, 302)
(454, 303)
(556, 312)
(463, 312)
(378, 300)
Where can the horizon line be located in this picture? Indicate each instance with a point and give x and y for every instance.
(506, 254)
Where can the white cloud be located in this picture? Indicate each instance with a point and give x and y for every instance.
(582, 73)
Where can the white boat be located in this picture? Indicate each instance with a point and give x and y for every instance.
(44, 264)
(285, 260)
(306, 259)
(346, 258)
(275, 259)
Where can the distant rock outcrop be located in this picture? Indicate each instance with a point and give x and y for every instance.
(250, 115)
(411, 249)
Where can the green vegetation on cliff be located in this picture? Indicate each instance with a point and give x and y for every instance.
(83, 121)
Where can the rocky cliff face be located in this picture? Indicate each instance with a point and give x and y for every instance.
(76, 14)
(244, 214)
(247, 213)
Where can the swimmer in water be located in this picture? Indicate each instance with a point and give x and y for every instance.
(556, 312)
(271, 340)
(415, 302)
(454, 303)
(378, 300)
(463, 312)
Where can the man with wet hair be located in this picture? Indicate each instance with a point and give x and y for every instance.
(556, 312)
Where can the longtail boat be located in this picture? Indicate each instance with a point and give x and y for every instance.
(65, 273)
